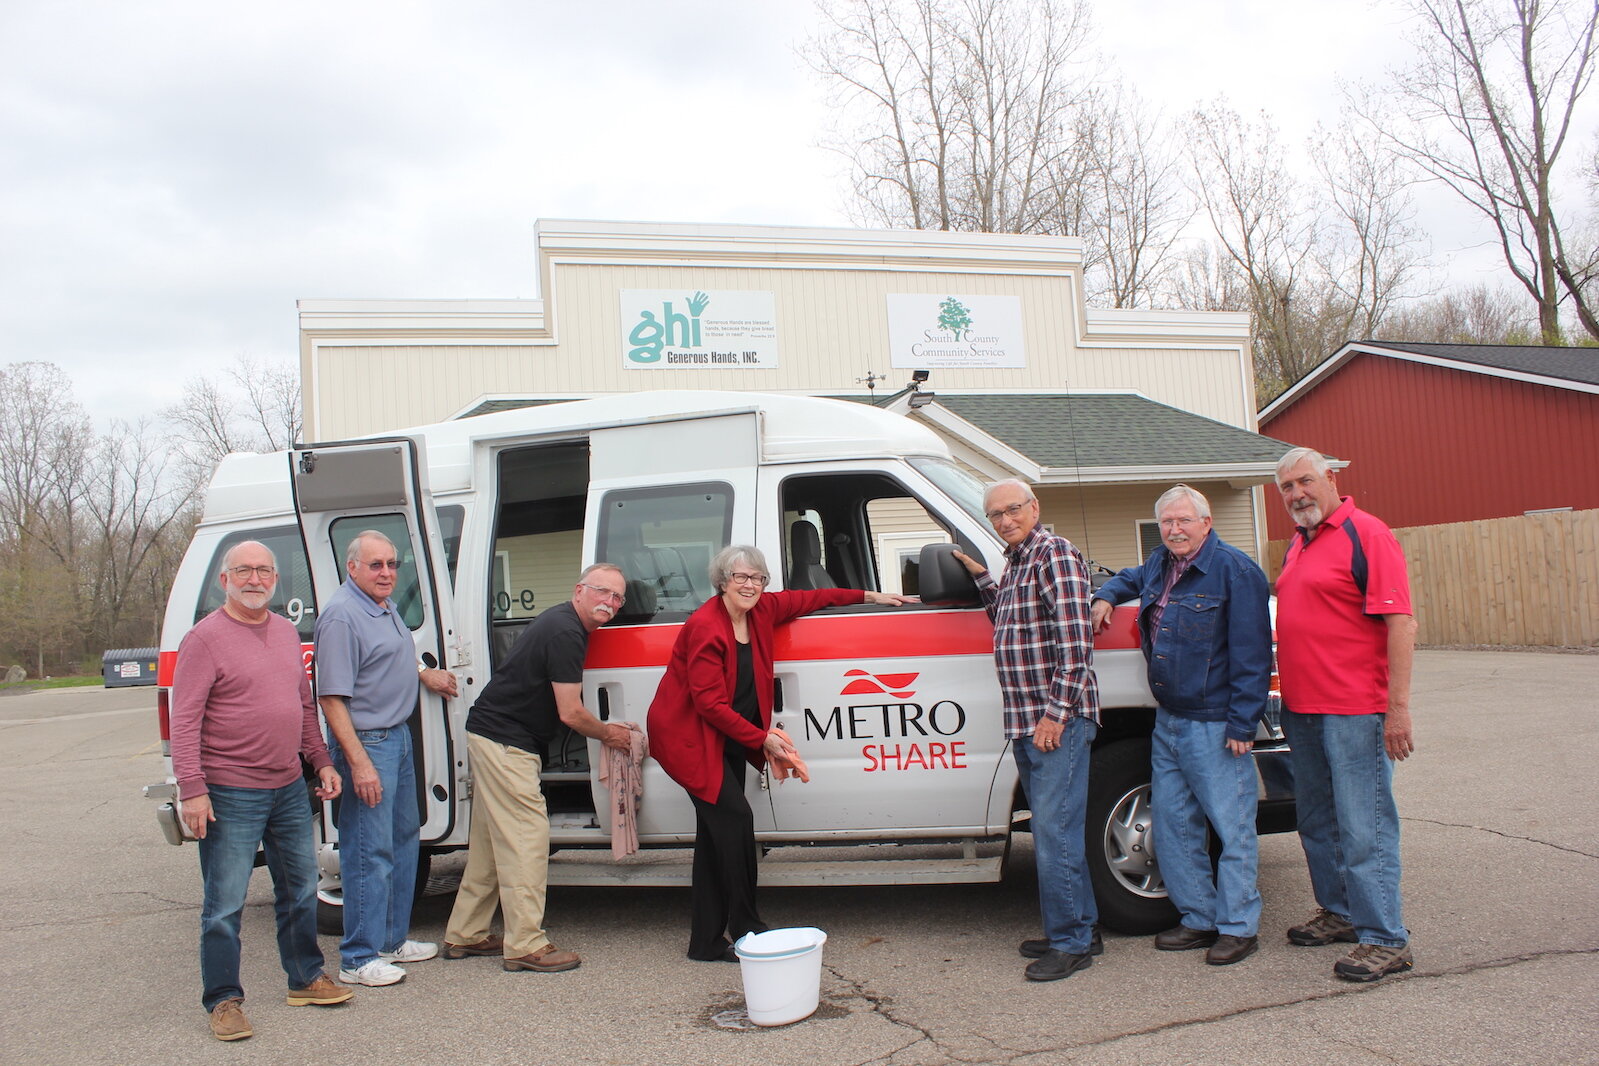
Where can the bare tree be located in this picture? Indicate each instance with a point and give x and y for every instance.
(1479, 314)
(1485, 108)
(954, 114)
(254, 406)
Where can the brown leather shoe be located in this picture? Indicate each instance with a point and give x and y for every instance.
(319, 993)
(547, 959)
(1182, 938)
(228, 1021)
(1229, 949)
(493, 944)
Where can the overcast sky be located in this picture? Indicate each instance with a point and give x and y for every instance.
(175, 174)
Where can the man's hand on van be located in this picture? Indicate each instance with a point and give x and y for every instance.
(197, 814)
(973, 567)
(441, 682)
(887, 599)
(330, 784)
(1099, 615)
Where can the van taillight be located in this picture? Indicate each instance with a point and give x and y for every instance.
(163, 712)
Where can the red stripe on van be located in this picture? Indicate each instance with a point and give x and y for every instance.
(861, 636)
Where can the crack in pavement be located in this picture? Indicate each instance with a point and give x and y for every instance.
(1501, 833)
(880, 1005)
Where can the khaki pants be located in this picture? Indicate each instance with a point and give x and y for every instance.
(509, 850)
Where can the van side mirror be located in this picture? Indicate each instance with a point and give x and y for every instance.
(943, 579)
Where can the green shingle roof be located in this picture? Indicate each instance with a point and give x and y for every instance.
(1108, 430)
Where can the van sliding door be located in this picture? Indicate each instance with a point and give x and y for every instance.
(341, 490)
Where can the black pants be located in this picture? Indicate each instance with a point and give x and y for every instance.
(722, 897)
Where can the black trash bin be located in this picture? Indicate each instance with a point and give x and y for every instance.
(126, 667)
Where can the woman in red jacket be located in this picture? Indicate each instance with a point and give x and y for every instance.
(713, 714)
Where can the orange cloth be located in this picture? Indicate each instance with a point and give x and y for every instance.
(785, 765)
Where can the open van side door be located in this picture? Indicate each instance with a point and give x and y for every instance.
(664, 498)
(343, 489)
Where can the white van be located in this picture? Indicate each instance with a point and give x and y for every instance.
(896, 710)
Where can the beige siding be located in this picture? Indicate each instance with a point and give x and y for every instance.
(832, 330)
(1102, 520)
(544, 566)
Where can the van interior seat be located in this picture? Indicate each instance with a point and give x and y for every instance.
(805, 570)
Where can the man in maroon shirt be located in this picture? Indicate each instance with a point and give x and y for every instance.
(242, 717)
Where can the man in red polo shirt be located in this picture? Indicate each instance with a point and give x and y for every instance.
(1345, 642)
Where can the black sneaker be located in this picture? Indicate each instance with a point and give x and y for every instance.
(1057, 964)
(1035, 949)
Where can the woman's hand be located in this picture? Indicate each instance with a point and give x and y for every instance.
(886, 599)
(777, 744)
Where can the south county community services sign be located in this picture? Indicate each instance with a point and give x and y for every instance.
(931, 332)
(687, 329)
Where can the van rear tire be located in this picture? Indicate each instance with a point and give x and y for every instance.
(330, 905)
(1122, 866)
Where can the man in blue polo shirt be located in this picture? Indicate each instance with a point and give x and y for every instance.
(367, 673)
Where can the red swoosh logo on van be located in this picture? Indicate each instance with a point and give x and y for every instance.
(871, 684)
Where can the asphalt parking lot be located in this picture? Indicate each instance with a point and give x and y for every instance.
(1501, 851)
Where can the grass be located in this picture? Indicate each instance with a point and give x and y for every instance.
(52, 682)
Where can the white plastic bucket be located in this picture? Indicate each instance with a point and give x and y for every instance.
(782, 971)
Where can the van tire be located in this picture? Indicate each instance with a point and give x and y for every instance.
(1121, 859)
(330, 905)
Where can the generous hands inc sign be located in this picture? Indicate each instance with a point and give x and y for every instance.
(931, 332)
(688, 329)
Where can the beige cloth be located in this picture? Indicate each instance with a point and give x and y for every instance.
(508, 863)
(622, 772)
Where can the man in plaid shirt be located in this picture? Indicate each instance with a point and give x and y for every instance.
(1044, 649)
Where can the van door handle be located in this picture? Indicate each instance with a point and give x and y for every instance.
(605, 705)
(777, 696)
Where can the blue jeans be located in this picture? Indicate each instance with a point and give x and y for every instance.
(378, 848)
(1348, 823)
(278, 819)
(1196, 779)
(1056, 783)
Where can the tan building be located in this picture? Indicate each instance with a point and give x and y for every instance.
(1102, 409)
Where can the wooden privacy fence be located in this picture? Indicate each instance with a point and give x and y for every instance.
(1530, 580)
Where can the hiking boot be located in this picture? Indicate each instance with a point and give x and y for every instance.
(1369, 962)
(228, 1021)
(1323, 928)
(375, 973)
(1036, 949)
(1057, 964)
(411, 951)
(493, 944)
(319, 993)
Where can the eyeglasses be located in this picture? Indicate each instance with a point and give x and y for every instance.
(1013, 511)
(1173, 523)
(749, 579)
(377, 566)
(605, 592)
(244, 573)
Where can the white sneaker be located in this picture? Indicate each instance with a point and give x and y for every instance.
(411, 951)
(375, 973)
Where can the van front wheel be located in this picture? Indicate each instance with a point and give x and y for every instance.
(1128, 887)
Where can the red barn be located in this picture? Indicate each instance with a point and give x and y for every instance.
(1437, 433)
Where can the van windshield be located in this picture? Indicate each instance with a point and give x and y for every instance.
(955, 483)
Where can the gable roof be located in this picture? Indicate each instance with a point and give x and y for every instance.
(1101, 437)
(1556, 367)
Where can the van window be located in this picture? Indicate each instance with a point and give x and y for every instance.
(293, 598)
(860, 530)
(407, 590)
(664, 540)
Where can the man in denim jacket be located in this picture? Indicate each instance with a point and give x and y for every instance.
(1206, 633)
